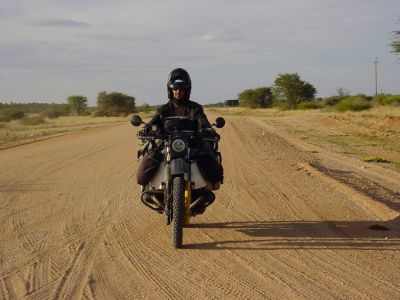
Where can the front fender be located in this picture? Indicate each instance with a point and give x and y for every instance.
(179, 166)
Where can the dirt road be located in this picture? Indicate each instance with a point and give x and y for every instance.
(287, 223)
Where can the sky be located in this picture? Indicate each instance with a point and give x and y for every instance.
(52, 49)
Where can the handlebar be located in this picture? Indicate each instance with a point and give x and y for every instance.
(205, 134)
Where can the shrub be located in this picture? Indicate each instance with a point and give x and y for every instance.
(33, 121)
(9, 114)
(354, 104)
(281, 105)
(101, 113)
(256, 98)
(144, 108)
(379, 99)
(393, 100)
(361, 97)
(78, 104)
(376, 159)
(53, 111)
(309, 105)
(331, 101)
(114, 104)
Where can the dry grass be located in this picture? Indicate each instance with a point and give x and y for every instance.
(376, 159)
(375, 132)
(15, 131)
(377, 112)
(372, 133)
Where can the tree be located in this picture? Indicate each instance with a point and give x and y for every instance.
(396, 43)
(114, 104)
(309, 91)
(77, 104)
(144, 108)
(291, 89)
(256, 98)
(343, 92)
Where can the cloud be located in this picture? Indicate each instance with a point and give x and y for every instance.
(223, 36)
(9, 12)
(120, 38)
(97, 44)
(61, 23)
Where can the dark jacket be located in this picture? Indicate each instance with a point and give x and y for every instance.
(207, 160)
(188, 108)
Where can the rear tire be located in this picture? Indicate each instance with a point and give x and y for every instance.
(178, 211)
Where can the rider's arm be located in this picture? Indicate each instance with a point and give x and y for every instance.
(202, 120)
(155, 120)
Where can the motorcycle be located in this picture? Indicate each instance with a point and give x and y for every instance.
(178, 178)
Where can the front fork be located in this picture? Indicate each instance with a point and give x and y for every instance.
(188, 199)
(178, 167)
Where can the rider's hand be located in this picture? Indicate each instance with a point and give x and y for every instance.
(144, 131)
(146, 128)
(210, 131)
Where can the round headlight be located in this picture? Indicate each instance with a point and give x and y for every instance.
(178, 145)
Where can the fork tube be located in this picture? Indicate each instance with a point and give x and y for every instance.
(188, 198)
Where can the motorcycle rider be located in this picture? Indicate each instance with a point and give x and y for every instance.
(179, 87)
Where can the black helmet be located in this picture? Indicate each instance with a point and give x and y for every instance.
(179, 78)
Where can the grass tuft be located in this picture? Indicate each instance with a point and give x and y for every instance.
(32, 121)
(376, 159)
(353, 105)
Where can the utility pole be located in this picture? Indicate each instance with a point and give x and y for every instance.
(376, 76)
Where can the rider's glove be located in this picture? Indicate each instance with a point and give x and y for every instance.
(146, 128)
(210, 131)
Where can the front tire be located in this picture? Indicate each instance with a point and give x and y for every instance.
(178, 211)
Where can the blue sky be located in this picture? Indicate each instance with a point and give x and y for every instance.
(50, 50)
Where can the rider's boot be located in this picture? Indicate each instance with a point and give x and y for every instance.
(199, 205)
(154, 201)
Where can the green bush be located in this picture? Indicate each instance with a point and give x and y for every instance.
(376, 159)
(393, 100)
(309, 105)
(354, 104)
(114, 104)
(54, 111)
(256, 98)
(9, 114)
(32, 121)
(361, 97)
(331, 101)
(144, 108)
(101, 113)
(281, 105)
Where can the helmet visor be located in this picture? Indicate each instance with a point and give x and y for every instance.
(179, 84)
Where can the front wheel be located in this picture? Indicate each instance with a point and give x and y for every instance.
(178, 211)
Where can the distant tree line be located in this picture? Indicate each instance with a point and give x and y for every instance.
(108, 104)
(114, 104)
(288, 90)
(15, 111)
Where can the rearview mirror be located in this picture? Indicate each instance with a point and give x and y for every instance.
(219, 122)
(136, 120)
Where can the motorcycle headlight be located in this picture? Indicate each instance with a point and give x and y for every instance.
(178, 145)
